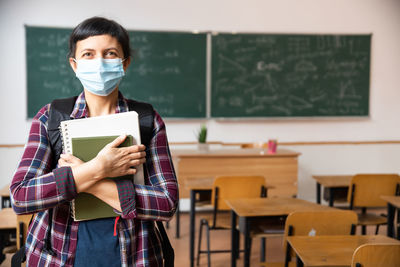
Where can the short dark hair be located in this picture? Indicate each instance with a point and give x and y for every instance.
(99, 26)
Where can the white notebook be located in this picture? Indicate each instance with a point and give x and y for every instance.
(108, 125)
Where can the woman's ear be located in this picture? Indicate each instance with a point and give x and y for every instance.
(126, 63)
(72, 62)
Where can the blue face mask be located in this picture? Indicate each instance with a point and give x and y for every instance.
(100, 76)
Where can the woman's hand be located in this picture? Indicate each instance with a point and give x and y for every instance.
(114, 161)
(111, 161)
(69, 160)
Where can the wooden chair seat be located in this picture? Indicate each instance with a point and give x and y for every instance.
(371, 219)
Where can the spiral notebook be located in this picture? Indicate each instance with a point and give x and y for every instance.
(90, 135)
(86, 206)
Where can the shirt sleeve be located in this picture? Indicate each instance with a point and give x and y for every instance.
(158, 199)
(35, 186)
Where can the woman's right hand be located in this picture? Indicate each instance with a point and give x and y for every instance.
(114, 161)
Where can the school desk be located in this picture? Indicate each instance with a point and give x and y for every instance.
(331, 250)
(280, 169)
(257, 210)
(393, 203)
(333, 183)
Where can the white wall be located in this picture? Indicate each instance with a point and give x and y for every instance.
(379, 17)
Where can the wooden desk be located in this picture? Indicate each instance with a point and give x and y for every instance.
(8, 219)
(333, 183)
(393, 204)
(331, 250)
(255, 210)
(280, 169)
(5, 197)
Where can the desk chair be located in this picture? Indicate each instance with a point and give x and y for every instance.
(365, 191)
(227, 187)
(332, 222)
(372, 255)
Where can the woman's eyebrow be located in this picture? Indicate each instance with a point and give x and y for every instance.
(86, 49)
(110, 48)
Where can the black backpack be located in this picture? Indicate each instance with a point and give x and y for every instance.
(60, 110)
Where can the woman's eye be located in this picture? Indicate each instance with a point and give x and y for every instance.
(111, 54)
(87, 55)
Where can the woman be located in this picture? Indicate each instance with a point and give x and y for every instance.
(99, 55)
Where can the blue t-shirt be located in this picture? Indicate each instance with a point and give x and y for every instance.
(97, 245)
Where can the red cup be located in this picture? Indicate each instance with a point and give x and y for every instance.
(272, 143)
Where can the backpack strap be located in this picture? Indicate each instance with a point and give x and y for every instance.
(60, 110)
(146, 119)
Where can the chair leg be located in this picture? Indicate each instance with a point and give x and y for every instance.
(238, 247)
(377, 229)
(202, 222)
(262, 249)
(208, 245)
(363, 229)
(287, 255)
(250, 243)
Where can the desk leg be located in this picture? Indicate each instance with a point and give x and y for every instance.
(299, 263)
(234, 240)
(2, 242)
(247, 242)
(398, 223)
(331, 193)
(192, 226)
(318, 193)
(178, 216)
(390, 220)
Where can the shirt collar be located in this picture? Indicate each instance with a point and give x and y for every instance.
(80, 108)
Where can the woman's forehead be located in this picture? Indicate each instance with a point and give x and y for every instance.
(98, 42)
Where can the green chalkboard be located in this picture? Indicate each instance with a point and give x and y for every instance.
(280, 75)
(168, 70)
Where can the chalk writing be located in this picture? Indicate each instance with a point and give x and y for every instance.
(256, 75)
(167, 70)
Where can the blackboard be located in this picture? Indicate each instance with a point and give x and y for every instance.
(168, 70)
(281, 75)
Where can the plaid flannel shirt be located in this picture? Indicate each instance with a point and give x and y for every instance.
(36, 188)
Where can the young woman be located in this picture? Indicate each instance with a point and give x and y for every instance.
(45, 184)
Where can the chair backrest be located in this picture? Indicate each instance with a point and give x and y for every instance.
(330, 222)
(371, 255)
(366, 189)
(234, 187)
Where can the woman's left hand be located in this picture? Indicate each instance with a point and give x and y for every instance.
(69, 160)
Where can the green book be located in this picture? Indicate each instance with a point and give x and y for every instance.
(86, 206)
